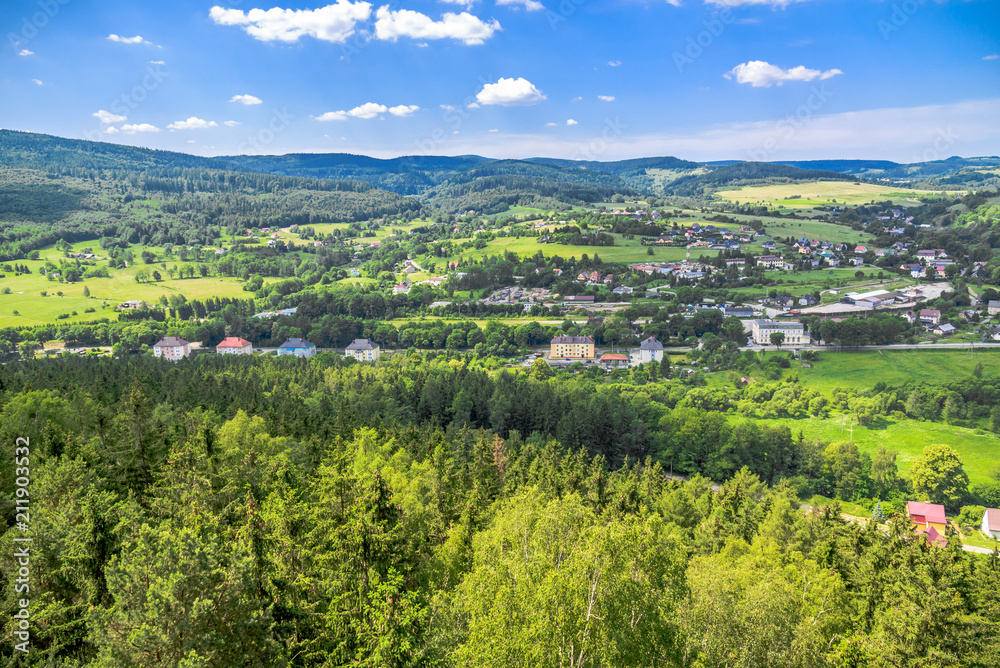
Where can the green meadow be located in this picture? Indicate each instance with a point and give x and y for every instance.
(824, 193)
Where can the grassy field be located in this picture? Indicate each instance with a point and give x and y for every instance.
(624, 250)
(814, 229)
(859, 369)
(823, 193)
(979, 451)
(33, 309)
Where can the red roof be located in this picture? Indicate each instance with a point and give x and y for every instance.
(993, 519)
(926, 512)
(934, 538)
(233, 342)
(613, 357)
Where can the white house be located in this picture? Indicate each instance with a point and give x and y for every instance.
(297, 347)
(795, 334)
(171, 348)
(650, 350)
(363, 350)
(991, 523)
(234, 345)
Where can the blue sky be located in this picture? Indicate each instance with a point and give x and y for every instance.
(904, 80)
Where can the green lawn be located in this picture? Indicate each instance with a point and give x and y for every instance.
(814, 229)
(979, 452)
(866, 368)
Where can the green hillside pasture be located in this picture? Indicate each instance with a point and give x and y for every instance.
(814, 229)
(979, 451)
(863, 369)
(823, 193)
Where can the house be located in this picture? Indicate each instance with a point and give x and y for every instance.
(363, 350)
(930, 316)
(993, 306)
(794, 332)
(770, 261)
(579, 299)
(132, 305)
(991, 523)
(650, 350)
(297, 347)
(737, 312)
(614, 360)
(945, 329)
(234, 345)
(927, 518)
(572, 347)
(171, 348)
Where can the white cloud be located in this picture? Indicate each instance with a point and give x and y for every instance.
(551, 125)
(530, 5)
(570, 121)
(127, 40)
(333, 23)
(38, 82)
(472, 105)
(447, 107)
(466, 28)
(606, 98)
(760, 74)
(577, 99)
(367, 110)
(246, 99)
(230, 124)
(112, 130)
(739, 3)
(190, 141)
(510, 93)
(992, 56)
(493, 130)
(403, 110)
(157, 62)
(192, 123)
(140, 127)
(25, 52)
(614, 63)
(107, 118)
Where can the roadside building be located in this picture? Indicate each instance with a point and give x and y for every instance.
(171, 348)
(297, 347)
(795, 334)
(234, 345)
(572, 347)
(650, 350)
(363, 350)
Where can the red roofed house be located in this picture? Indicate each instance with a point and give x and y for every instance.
(927, 518)
(991, 523)
(614, 359)
(234, 345)
(936, 539)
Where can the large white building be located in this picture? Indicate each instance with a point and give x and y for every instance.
(650, 350)
(297, 347)
(363, 350)
(795, 333)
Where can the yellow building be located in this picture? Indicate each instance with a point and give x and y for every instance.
(572, 347)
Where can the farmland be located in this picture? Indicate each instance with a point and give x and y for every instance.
(824, 193)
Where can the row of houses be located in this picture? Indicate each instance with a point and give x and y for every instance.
(174, 348)
(929, 520)
(582, 347)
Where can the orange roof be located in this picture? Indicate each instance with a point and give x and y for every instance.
(233, 342)
(612, 357)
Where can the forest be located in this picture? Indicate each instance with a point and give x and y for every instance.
(427, 512)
